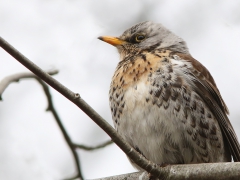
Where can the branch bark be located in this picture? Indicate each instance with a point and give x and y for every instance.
(162, 173)
(207, 171)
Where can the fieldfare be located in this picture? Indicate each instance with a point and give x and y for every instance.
(165, 103)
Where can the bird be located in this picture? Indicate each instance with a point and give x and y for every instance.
(165, 103)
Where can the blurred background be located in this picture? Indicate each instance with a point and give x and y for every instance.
(58, 34)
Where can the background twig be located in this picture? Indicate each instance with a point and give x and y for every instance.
(67, 138)
(4, 83)
(91, 148)
(15, 78)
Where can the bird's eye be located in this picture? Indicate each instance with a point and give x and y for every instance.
(139, 37)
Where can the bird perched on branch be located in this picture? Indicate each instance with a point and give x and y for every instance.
(165, 103)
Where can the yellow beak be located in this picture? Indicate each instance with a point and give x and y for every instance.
(112, 40)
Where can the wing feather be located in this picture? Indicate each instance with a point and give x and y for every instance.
(206, 88)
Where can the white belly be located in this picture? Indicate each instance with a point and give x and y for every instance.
(149, 128)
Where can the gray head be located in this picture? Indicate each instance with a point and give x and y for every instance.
(147, 36)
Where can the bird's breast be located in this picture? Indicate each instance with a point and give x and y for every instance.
(140, 81)
(137, 68)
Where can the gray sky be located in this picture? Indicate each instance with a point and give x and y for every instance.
(63, 35)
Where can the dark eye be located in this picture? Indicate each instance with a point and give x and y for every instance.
(137, 38)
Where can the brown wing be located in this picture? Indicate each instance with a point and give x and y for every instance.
(207, 89)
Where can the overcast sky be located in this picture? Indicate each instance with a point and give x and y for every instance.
(63, 35)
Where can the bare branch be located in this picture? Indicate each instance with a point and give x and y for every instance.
(168, 172)
(141, 161)
(213, 171)
(4, 83)
(89, 148)
(15, 78)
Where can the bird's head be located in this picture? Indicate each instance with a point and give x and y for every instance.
(146, 36)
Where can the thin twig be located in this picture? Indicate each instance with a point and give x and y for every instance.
(15, 78)
(63, 130)
(4, 83)
(89, 148)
